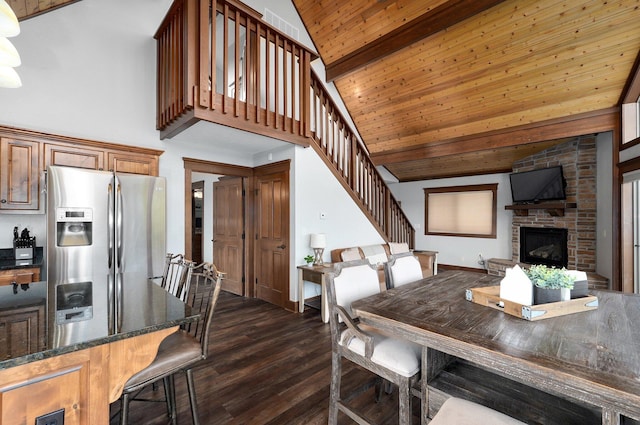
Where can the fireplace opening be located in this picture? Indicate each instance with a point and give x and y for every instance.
(546, 246)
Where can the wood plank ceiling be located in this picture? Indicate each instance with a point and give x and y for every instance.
(25, 9)
(441, 88)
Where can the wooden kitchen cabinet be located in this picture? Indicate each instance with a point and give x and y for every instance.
(103, 157)
(19, 175)
(19, 276)
(127, 162)
(22, 330)
(24, 154)
(73, 156)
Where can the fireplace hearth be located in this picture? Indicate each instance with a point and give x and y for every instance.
(542, 245)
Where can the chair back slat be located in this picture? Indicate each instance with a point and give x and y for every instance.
(203, 292)
(177, 275)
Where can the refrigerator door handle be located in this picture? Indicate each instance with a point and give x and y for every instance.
(110, 225)
(119, 227)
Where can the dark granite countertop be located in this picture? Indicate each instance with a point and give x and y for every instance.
(144, 307)
(7, 260)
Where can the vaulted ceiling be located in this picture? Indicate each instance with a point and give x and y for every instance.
(441, 88)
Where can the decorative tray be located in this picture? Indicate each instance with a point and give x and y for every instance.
(490, 296)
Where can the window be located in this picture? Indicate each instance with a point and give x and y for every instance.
(461, 211)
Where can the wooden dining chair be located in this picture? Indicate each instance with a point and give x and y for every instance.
(182, 350)
(394, 360)
(402, 269)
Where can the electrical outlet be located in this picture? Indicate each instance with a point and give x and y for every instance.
(52, 418)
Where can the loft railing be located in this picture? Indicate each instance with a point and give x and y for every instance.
(219, 61)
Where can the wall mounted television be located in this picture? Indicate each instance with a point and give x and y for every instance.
(543, 184)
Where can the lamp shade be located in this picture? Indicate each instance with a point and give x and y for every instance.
(8, 54)
(9, 78)
(318, 240)
(9, 26)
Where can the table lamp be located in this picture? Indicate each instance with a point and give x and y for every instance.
(318, 242)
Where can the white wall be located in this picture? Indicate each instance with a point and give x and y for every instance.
(453, 250)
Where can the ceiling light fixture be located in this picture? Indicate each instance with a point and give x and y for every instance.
(9, 57)
(9, 26)
(8, 54)
(9, 78)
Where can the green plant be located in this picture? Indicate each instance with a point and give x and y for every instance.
(549, 277)
(309, 259)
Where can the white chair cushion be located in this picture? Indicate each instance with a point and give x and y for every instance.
(456, 411)
(398, 247)
(406, 270)
(402, 357)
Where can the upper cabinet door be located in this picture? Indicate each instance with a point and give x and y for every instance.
(132, 163)
(19, 175)
(73, 156)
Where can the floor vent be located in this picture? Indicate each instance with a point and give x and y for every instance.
(281, 24)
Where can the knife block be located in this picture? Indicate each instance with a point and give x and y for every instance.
(24, 248)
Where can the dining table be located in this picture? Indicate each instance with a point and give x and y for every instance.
(589, 357)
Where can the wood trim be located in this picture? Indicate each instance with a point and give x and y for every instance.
(575, 125)
(431, 22)
(192, 165)
(443, 267)
(55, 138)
(630, 144)
(616, 212)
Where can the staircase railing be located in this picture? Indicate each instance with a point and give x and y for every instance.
(219, 61)
(337, 145)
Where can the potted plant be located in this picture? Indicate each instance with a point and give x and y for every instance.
(550, 284)
(309, 260)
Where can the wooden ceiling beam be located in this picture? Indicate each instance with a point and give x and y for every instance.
(631, 91)
(569, 126)
(431, 22)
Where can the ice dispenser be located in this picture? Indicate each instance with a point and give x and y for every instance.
(74, 226)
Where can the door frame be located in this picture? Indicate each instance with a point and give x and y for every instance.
(192, 165)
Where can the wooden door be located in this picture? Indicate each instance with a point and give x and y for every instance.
(272, 233)
(228, 232)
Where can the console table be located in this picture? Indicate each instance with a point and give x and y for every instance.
(315, 274)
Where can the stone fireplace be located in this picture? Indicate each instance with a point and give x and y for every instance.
(578, 160)
(577, 220)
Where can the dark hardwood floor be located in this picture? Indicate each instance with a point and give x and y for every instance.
(268, 366)
(265, 366)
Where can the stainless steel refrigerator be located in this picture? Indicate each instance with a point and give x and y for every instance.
(103, 228)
